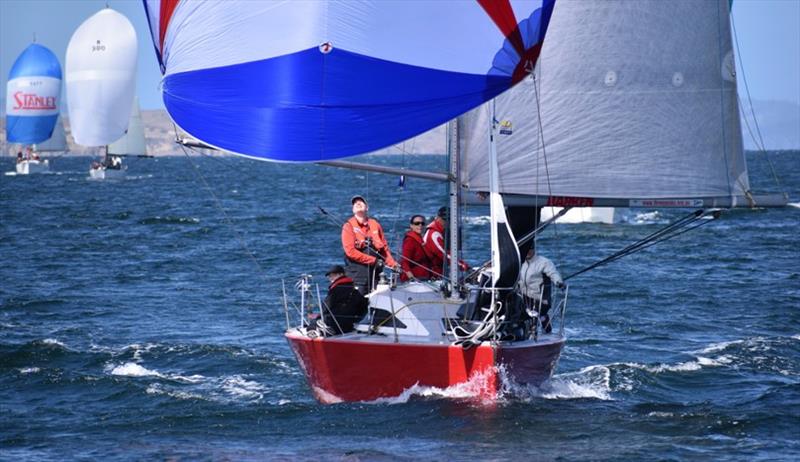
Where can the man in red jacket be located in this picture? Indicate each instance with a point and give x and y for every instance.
(365, 248)
(415, 263)
(434, 244)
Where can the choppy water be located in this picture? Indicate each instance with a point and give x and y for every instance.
(133, 326)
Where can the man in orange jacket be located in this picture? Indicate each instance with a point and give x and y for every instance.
(365, 248)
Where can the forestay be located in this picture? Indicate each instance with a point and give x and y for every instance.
(32, 95)
(313, 81)
(637, 98)
(101, 78)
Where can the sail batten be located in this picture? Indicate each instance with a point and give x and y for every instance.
(637, 100)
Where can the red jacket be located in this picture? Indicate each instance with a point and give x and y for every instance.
(414, 257)
(354, 235)
(434, 247)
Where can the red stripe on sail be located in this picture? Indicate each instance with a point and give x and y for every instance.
(165, 14)
(503, 16)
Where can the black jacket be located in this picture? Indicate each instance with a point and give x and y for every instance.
(345, 303)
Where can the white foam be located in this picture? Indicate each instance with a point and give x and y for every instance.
(796, 336)
(475, 387)
(11, 173)
(29, 370)
(157, 389)
(790, 204)
(716, 347)
(241, 388)
(52, 341)
(134, 370)
(480, 220)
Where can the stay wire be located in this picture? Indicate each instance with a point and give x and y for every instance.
(218, 204)
(760, 142)
(672, 230)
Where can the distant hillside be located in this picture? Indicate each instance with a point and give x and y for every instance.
(160, 135)
(778, 122)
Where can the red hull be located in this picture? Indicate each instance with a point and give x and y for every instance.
(355, 369)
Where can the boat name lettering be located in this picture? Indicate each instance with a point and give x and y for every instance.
(666, 203)
(557, 201)
(34, 101)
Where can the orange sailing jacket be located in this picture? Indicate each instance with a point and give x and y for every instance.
(354, 235)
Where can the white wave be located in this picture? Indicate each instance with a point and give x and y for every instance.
(52, 341)
(475, 387)
(157, 389)
(717, 347)
(480, 220)
(790, 204)
(283, 402)
(796, 336)
(242, 388)
(647, 218)
(590, 382)
(133, 370)
(11, 173)
(29, 370)
(661, 414)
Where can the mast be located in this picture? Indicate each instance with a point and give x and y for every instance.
(454, 193)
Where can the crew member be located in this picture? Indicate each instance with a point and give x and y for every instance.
(434, 244)
(415, 263)
(344, 305)
(365, 248)
(533, 277)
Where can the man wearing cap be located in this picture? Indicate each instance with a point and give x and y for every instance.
(433, 241)
(365, 247)
(344, 306)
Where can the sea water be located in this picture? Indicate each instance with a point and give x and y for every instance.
(142, 319)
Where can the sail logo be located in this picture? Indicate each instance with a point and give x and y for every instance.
(34, 102)
(506, 128)
(98, 47)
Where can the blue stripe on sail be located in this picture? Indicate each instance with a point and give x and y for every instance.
(310, 106)
(30, 130)
(36, 60)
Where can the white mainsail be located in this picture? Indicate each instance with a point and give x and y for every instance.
(57, 142)
(132, 142)
(636, 100)
(101, 78)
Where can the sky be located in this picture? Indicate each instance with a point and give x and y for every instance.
(768, 34)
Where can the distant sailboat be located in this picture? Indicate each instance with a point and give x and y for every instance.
(101, 84)
(132, 143)
(32, 101)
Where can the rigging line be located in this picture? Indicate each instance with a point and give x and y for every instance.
(760, 143)
(672, 230)
(546, 168)
(228, 221)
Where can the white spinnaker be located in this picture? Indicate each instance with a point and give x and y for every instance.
(133, 141)
(101, 78)
(638, 100)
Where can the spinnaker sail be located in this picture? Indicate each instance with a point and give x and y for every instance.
(101, 78)
(32, 95)
(314, 81)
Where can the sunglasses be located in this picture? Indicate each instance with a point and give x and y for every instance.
(417, 223)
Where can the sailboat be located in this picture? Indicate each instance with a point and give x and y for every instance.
(32, 96)
(101, 84)
(132, 143)
(382, 79)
